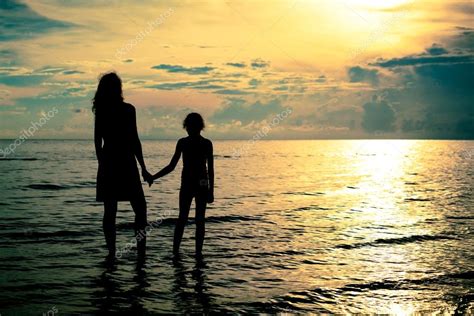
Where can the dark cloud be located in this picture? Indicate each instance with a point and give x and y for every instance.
(237, 65)
(378, 116)
(436, 50)
(22, 80)
(232, 92)
(187, 70)
(422, 59)
(72, 72)
(359, 74)
(259, 63)
(464, 40)
(436, 99)
(19, 22)
(236, 109)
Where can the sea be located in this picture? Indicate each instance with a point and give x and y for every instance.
(297, 227)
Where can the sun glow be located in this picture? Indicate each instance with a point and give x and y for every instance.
(368, 4)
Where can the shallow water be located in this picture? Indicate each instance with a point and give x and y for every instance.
(298, 226)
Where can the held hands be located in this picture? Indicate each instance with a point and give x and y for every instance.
(147, 177)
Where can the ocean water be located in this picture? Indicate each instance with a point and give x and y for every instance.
(366, 226)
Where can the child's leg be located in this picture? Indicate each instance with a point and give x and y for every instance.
(200, 221)
(108, 225)
(185, 199)
(139, 207)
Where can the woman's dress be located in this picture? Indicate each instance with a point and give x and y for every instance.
(118, 178)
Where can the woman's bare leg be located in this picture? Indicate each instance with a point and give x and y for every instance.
(185, 199)
(108, 225)
(139, 207)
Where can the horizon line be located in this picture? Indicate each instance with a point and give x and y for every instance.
(250, 139)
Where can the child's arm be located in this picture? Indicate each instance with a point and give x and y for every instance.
(174, 161)
(210, 166)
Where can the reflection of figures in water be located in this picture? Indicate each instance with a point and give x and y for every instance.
(198, 300)
(113, 297)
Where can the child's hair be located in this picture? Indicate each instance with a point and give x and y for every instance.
(194, 121)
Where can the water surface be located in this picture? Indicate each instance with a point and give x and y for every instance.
(297, 226)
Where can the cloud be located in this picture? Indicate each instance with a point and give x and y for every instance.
(232, 92)
(8, 57)
(281, 88)
(435, 98)
(200, 85)
(423, 60)
(237, 65)
(259, 63)
(181, 69)
(236, 109)
(464, 40)
(254, 82)
(22, 77)
(321, 79)
(436, 49)
(27, 80)
(359, 74)
(378, 116)
(72, 72)
(20, 22)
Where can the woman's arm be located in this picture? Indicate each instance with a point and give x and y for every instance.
(174, 161)
(98, 140)
(137, 144)
(210, 167)
(138, 148)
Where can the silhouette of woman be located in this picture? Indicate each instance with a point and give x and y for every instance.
(197, 178)
(117, 148)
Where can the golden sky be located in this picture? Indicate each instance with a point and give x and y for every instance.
(348, 68)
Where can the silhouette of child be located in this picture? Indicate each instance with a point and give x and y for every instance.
(197, 179)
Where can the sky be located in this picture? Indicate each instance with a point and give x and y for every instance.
(307, 69)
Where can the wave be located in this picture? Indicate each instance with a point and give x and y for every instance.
(304, 193)
(38, 234)
(307, 300)
(417, 200)
(224, 157)
(19, 159)
(54, 187)
(311, 208)
(171, 221)
(46, 187)
(396, 241)
(459, 217)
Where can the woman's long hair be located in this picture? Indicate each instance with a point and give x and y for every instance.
(109, 91)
